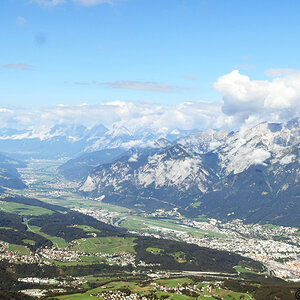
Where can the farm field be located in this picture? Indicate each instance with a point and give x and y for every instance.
(138, 223)
(57, 241)
(23, 209)
(21, 250)
(105, 245)
(156, 288)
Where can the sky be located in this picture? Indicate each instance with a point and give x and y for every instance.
(208, 63)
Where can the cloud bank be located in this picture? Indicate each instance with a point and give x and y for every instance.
(244, 103)
(254, 101)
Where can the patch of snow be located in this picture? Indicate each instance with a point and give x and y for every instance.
(287, 159)
(133, 158)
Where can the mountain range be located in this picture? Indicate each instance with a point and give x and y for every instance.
(252, 175)
(64, 140)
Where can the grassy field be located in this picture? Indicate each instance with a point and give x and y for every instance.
(8, 228)
(111, 284)
(243, 270)
(23, 209)
(86, 260)
(57, 241)
(196, 204)
(271, 226)
(173, 282)
(137, 223)
(155, 251)
(19, 249)
(29, 242)
(105, 245)
(179, 256)
(174, 296)
(133, 286)
(237, 296)
(86, 228)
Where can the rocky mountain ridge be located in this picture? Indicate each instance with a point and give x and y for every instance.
(247, 170)
(65, 140)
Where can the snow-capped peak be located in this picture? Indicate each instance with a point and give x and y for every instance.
(256, 145)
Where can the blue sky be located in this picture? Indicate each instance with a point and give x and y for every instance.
(156, 64)
(168, 51)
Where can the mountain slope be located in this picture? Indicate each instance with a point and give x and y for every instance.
(205, 141)
(253, 174)
(164, 179)
(78, 168)
(9, 176)
(266, 192)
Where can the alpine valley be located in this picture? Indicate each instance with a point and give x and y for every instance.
(109, 213)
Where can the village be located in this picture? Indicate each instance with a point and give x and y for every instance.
(277, 247)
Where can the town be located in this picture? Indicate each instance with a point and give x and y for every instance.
(277, 247)
(259, 242)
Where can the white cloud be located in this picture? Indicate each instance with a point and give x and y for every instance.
(253, 101)
(258, 156)
(6, 116)
(134, 116)
(245, 103)
(5, 110)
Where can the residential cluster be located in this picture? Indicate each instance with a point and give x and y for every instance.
(119, 295)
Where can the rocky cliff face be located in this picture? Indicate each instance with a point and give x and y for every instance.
(245, 174)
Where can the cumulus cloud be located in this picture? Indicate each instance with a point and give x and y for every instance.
(6, 116)
(18, 66)
(249, 101)
(258, 156)
(244, 103)
(137, 117)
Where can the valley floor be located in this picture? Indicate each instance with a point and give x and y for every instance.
(277, 247)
